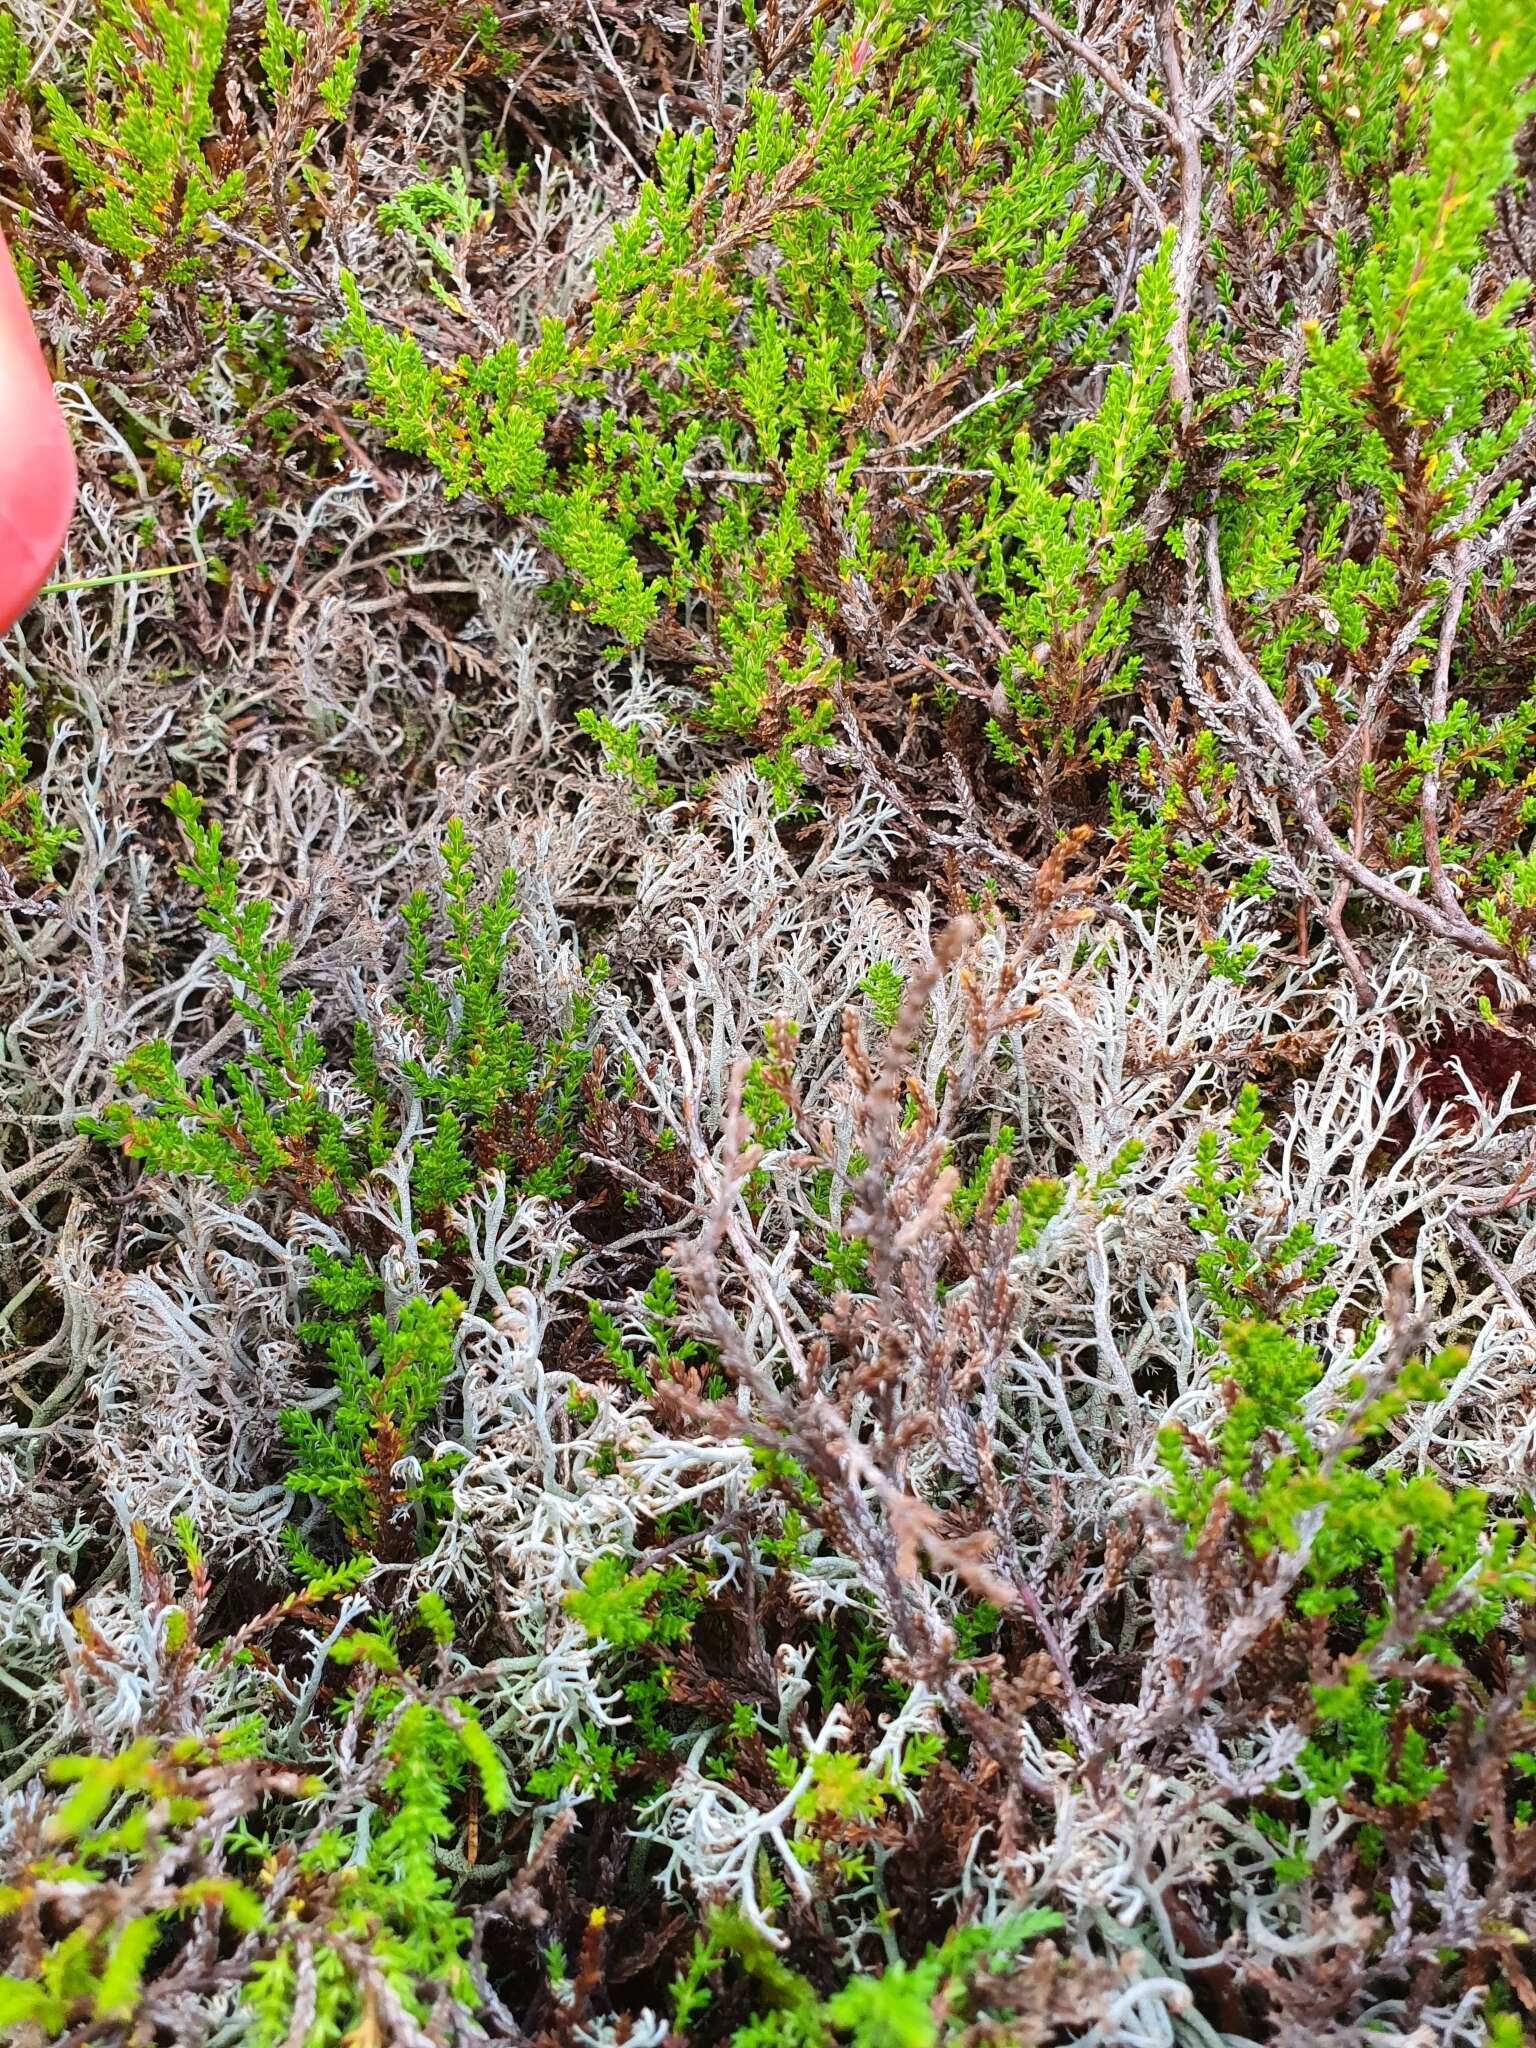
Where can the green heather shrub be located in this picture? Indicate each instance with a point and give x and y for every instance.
(1300, 1483)
(1387, 1564)
(29, 843)
(1245, 1270)
(723, 419)
(156, 159)
(15, 57)
(132, 146)
(389, 1897)
(137, 1858)
(389, 1382)
(296, 1118)
(806, 436)
(119, 1817)
(1394, 1567)
(960, 1983)
(1413, 389)
(1349, 489)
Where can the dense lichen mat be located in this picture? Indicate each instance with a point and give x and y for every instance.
(767, 878)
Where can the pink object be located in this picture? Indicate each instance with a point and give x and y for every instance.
(37, 463)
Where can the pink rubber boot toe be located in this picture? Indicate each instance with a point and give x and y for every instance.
(37, 463)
